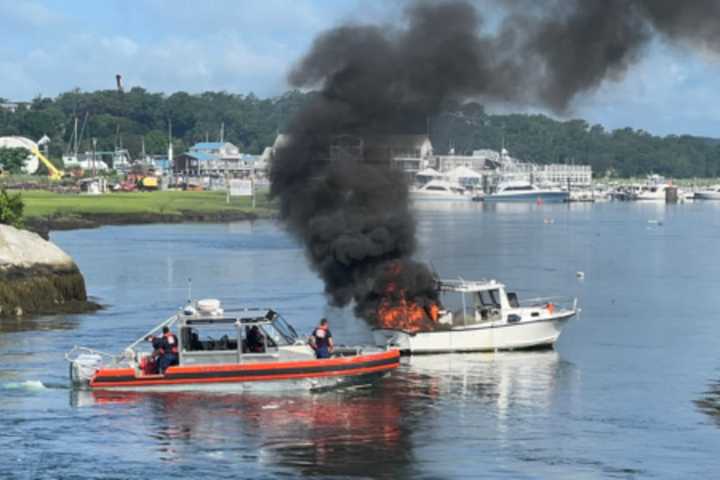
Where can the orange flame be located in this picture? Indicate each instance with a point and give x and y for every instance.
(405, 314)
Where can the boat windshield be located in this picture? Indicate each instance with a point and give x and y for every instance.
(519, 188)
(284, 329)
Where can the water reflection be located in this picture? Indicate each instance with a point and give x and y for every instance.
(504, 380)
(341, 433)
(27, 324)
(337, 433)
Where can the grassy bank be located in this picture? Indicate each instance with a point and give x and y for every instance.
(46, 211)
(40, 203)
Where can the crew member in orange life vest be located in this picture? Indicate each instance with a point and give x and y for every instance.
(168, 350)
(321, 340)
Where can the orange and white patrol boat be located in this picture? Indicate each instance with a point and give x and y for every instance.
(227, 351)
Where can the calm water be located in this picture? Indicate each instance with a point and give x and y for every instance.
(632, 391)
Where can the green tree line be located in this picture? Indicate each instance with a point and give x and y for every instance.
(540, 139)
(126, 119)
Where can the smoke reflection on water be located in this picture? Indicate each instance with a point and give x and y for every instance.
(375, 431)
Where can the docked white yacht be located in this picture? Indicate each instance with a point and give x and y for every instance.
(652, 192)
(522, 191)
(655, 189)
(487, 318)
(712, 193)
(440, 190)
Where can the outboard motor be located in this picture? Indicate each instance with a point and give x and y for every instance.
(84, 367)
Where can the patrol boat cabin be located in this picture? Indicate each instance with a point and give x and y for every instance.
(234, 350)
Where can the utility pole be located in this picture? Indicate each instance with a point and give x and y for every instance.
(227, 183)
(94, 145)
(252, 186)
(171, 165)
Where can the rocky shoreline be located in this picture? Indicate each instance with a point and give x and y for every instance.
(37, 277)
(44, 225)
(43, 290)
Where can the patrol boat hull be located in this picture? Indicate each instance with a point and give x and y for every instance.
(312, 374)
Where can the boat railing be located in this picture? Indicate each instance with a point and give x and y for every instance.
(466, 286)
(77, 350)
(156, 328)
(566, 302)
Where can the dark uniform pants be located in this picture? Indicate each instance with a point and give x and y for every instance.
(167, 360)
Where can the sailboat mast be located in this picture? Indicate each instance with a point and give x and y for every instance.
(75, 138)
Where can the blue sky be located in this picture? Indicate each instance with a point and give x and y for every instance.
(51, 46)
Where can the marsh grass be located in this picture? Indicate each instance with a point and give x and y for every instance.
(40, 203)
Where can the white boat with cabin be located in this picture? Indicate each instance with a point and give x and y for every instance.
(712, 193)
(522, 191)
(486, 318)
(440, 190)
(652, 192)
(655, 189)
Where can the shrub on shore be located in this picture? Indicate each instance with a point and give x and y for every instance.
(11, 209)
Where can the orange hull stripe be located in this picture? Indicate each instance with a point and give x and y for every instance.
(358, 371)
(124, 372)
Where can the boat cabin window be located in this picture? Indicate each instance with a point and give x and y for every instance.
(489, 298)
(255, 339)
(436, 188)
(513, 300)
(522, 188)
(216, 336)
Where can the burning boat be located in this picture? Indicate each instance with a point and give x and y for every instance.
(486, 318)
(228, 351)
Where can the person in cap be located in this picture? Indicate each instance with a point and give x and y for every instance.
(321, 340)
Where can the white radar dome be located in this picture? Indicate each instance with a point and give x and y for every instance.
(31, 162)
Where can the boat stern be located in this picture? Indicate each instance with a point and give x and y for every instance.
(387, 338)
(83, 369)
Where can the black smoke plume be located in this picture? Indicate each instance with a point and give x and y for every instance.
(338, 191)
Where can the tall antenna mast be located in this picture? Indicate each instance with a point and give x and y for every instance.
(75, 138)
(170, 144)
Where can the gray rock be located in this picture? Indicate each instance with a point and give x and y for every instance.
(36, 276)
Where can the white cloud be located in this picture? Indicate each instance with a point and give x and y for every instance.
(28, 13)
(167, 46)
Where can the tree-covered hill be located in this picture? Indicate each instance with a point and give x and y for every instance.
(116, 118)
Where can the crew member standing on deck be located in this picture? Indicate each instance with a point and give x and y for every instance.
(169, 350)
(321, 340)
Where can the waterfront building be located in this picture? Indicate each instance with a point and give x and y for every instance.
(216, 159)
(409, 153)
(13, 107)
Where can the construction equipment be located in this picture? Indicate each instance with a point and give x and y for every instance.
(148, 183)
(35, 157)
(139, 180)
(53, 172)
